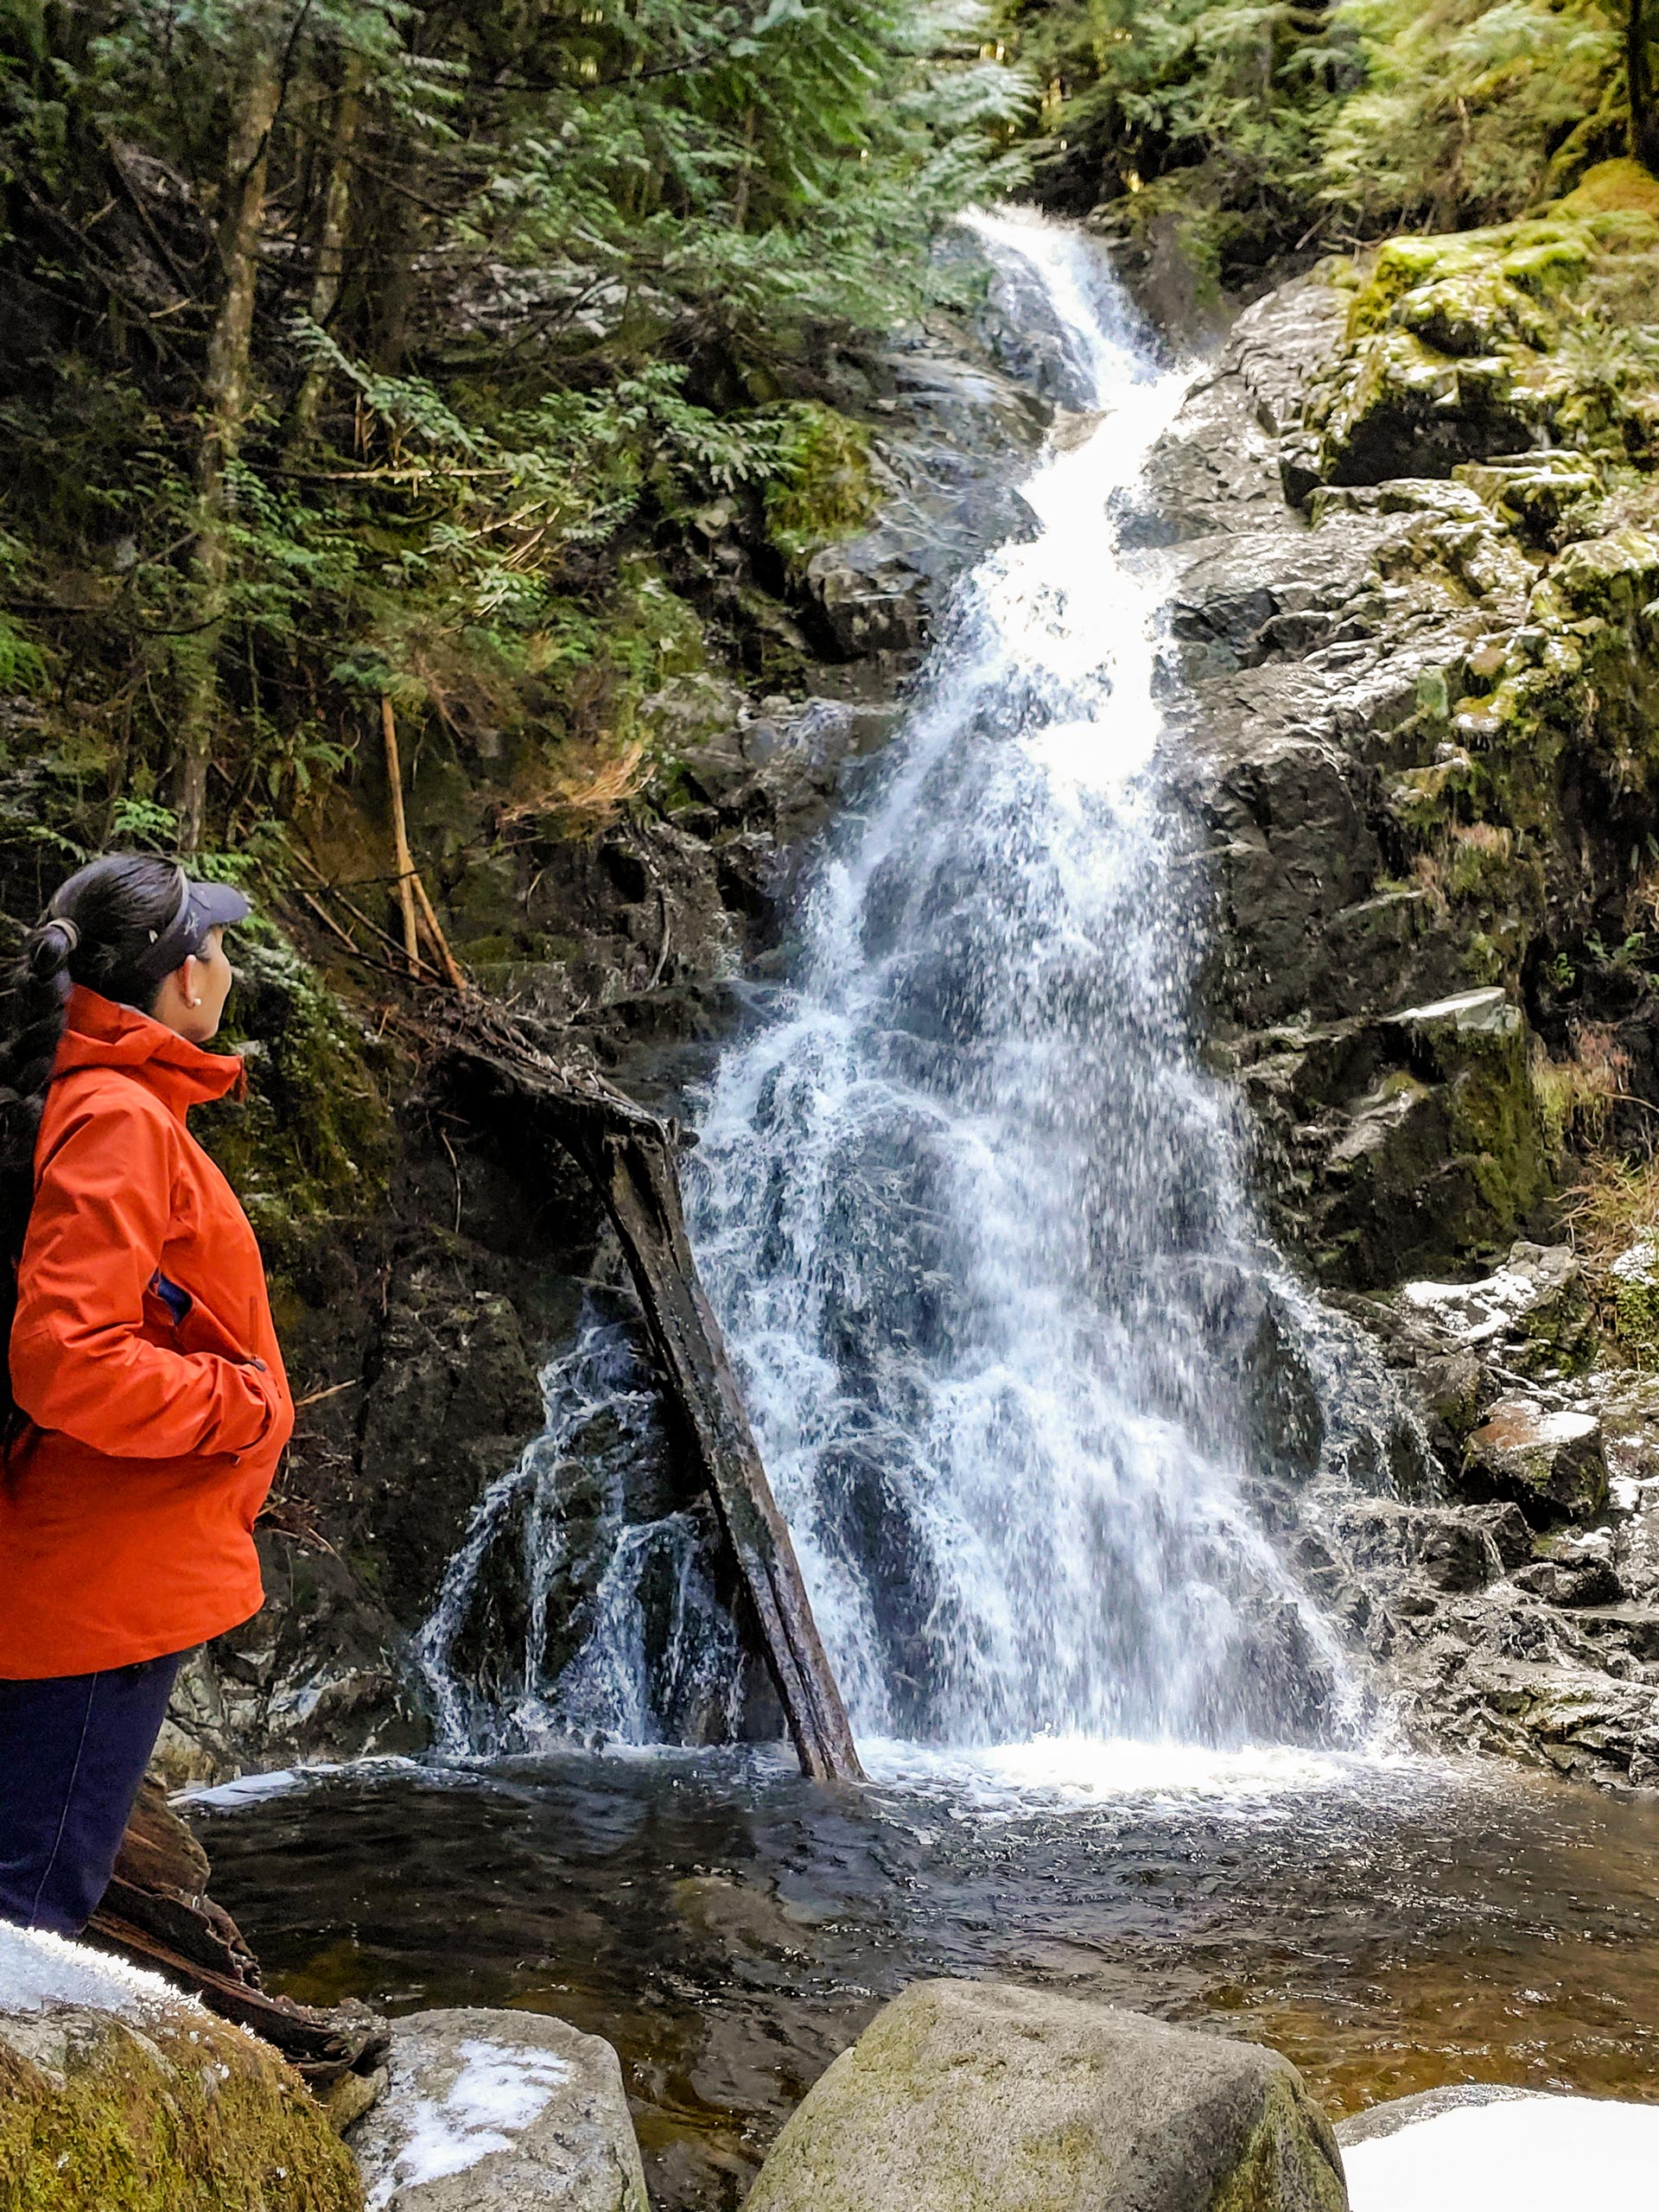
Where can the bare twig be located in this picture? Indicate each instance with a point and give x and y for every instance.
(400, 832)
(443, 1139)
(316, 1397)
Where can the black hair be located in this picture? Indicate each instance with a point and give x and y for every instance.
(96, 930)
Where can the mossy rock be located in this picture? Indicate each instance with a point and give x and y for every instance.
(1470, 344)
(980, 2097)
(1623, 187)
(823, 488)
(312, 1144)
(158, 2108)
(1630, 1290)
(1547, 266)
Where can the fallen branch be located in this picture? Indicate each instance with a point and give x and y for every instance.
(440, 943)
(158, 1913)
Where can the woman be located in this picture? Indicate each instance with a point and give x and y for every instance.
(148, 1406)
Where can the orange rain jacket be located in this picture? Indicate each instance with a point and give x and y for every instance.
(127, 1501)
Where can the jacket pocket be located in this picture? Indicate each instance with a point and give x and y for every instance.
(166, 1307)
(200, 1332)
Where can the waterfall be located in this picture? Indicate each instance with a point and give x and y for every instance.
(969, 1209)
(972, 1215)
(526, 1643)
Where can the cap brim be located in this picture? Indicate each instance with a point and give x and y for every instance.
(219, 906)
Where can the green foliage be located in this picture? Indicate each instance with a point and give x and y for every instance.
(1206, 109)
(1262, 127)
(588, 256)
(22, 668)
(1471, 112)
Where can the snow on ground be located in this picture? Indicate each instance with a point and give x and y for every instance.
(500, 2089)
(38, 1969)
(1533, 2154)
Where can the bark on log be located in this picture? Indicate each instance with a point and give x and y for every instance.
(630, 1156)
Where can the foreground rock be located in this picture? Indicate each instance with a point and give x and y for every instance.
(117, 2093)
(977, 2094)
(500, 2111)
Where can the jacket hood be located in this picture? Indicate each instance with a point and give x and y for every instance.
(99, 1033)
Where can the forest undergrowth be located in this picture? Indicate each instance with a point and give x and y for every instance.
(356, 351)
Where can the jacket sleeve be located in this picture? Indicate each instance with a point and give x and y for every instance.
(102, 1200)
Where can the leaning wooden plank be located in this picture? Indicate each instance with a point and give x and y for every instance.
(631, 1157)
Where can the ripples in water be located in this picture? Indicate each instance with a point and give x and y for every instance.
(1389, 1925)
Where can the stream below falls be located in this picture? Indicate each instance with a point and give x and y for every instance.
(972, 1216)
(1390, 1926)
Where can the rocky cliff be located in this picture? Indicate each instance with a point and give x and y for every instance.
(1413, 531)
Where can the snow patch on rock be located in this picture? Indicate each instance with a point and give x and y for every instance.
(500, 2089)
(1525, 2154)
(280, 1782)
(40, 1971)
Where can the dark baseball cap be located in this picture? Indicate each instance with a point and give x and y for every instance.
(203, 908)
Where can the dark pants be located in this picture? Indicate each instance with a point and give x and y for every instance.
(73, 1751)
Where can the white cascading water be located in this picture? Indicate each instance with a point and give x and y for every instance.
(971, 1215)
(966, 1205)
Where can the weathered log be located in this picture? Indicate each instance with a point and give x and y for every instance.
(630, 1156)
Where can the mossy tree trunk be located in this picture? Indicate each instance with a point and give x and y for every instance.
(330, 268)
(225, 392)
(1639, 62)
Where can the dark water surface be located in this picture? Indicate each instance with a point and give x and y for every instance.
(730, 1928)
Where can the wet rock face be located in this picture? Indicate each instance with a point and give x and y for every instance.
(1515, 1609)
(1403, 1141)
(963, 2094)
(454, 1396)
(1415, 683)
(1414, 687)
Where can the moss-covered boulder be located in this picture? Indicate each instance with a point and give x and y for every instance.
(962, 2096)
(119, 2093)
(1484, 342)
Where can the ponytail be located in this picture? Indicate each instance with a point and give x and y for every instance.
(95, 931)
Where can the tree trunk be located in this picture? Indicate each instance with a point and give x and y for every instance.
(1639, 62)
(629, 1156)
(329, 267)
(226, 394)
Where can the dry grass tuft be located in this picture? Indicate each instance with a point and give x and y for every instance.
(588, 793)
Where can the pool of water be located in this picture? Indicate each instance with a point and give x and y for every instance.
(1389, 1925)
